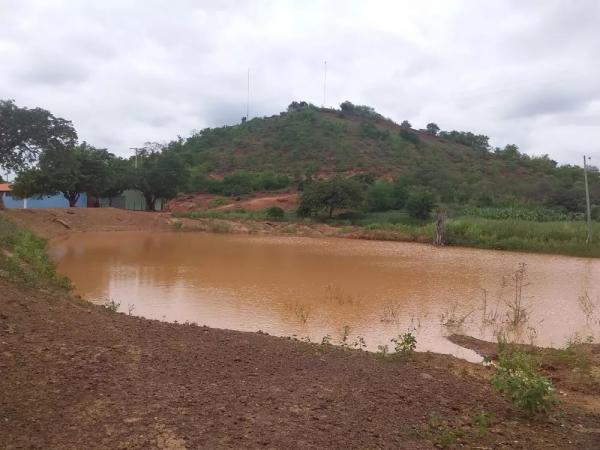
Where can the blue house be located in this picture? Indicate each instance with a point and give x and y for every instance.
(47, 201)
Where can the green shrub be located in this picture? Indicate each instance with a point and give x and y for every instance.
(517, 378)
(274, 213)
(420, 204)
(405, 343)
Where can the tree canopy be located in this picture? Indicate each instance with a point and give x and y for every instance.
(25, 132)
(70, 171)
(331, 194)
(159, 174)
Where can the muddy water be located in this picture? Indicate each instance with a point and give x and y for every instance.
(311, 288)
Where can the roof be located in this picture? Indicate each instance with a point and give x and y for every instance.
(5, 187)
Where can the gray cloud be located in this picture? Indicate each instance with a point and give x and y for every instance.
(137, 71)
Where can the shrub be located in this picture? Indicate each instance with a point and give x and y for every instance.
(274, 213)
(517, 378)
(420, 204)
(405, 343)
(380, 196)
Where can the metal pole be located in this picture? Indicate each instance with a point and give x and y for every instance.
(248, 97)
(587, 201)
(325, 85)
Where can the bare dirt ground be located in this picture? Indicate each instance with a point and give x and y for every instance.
(74, 375)
(188, 202)
(54, 222)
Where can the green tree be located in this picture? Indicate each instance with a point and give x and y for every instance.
(433, 129)
(159, 175)
(70, 171)
(406, 124)
(419, 204)
(331, 194)
(381, 196)
(25, 132)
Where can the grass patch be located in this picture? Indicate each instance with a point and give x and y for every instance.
(564, 237)
(24, 258)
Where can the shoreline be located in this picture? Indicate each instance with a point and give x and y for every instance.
(50, 224)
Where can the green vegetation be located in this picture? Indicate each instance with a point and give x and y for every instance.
(25, 132)
(405, 344)
(157, 175)
(23, 258)
(72, 171)
(457, 167)
(274, 213)
(419, 204)
(329, 195)
(516, 376)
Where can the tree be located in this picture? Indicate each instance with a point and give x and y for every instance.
(419, 204)
(70, 171)
(335, 193)
(405, 124)
(380, 196)
(433, 129)
(25, 132)
(159, 175)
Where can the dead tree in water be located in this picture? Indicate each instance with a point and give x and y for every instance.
(440, 228)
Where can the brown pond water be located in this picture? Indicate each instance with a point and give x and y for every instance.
(311, 287)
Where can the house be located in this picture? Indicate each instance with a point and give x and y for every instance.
(45, 201)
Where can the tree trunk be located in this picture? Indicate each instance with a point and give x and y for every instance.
(1, 202)
(72, 198)
(150, 203)
(330, 212)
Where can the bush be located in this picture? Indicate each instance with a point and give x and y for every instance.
(405, 343)
(380, 197)
(420, 204)
(274, 213)
(517, 378)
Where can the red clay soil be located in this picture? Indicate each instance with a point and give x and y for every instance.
(77, 376)
(53, 222)
(188, 202)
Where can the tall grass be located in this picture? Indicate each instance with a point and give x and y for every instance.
(24, 258)
(564, 237)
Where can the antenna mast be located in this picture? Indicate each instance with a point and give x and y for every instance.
(248, 97)
(325, 85)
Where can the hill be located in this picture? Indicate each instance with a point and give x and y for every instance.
(306, 142)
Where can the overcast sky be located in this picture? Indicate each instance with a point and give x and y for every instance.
(127, 72)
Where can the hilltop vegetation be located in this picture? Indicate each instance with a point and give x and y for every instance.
(307, 142)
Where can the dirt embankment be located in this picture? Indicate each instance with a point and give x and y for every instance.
(51, 223)
(74, 375)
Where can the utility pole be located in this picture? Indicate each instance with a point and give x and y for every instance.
(325, 85)
(136, 152)
(587, 201)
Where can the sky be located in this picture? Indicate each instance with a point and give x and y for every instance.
(130, 72)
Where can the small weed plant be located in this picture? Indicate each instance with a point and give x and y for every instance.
(517, 378)
(405, 344)
(112, 305)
